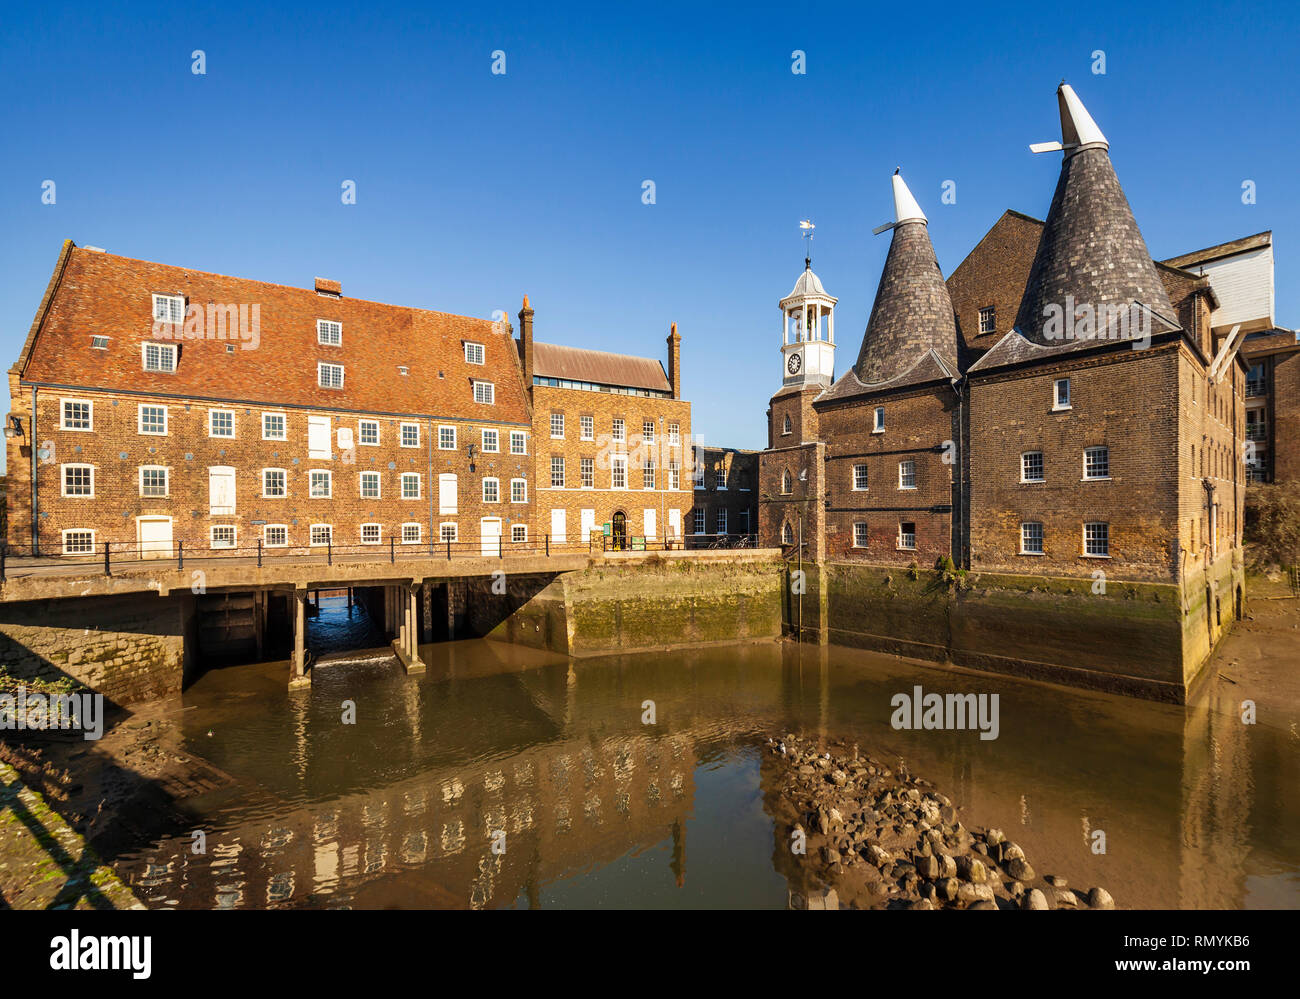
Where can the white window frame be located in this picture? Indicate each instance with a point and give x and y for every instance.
(329, 332)
(866, 481)
(523, 484)
(557, 420)
(99, 341)
(697, 520)
(618, 470)
(226, 437)
(167, 481)
(865, 534)
(139, 420)
(488, 394)
(992, 316)
(1095, 523)
(171, 300)
(471, 349)
(311, 485)
(267, 528)
(488, 434)
(585, 466)
(649, 474)
(902, 547)
(311, 536)
(363, 477)
(284, 495)
(403, 428)
(321, 368)
(1096, 478)
(563, 472)
(522, 438)
(212, 536)
(902, 475)
(1024, 534)
(496, 489)
(442, 532)
(720, 520)
(63, 540)
(419, 532)
(442, 434)
(379, 535)
(618, 429)
(419, 488)
(1057, 405)
(515, 529)
(164, 350)
(63, 480)
(90, 415)
(647, 431)
(361, 433)
(674, 433)
(586, 428)
(878, 420)
(284, 427)
(1024, 467)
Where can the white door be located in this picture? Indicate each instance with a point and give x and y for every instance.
(674, 523)
(650, 524)
(447, 493)
(557, 527)
(588, 523)
(221, 490)
(155, 537)
(318, 437)
(490, 532)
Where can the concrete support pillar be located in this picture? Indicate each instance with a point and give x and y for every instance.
(298, 676)
(407, 645)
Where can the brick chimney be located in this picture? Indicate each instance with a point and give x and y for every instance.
(324, 286)
(526, 344)
(675, 362)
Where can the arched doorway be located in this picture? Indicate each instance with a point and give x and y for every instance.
(618, 540)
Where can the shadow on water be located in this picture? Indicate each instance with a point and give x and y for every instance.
(510, 777)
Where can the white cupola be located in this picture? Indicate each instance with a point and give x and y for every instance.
(808, 333)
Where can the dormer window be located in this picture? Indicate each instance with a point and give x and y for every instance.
(988, 319)
(160, 357)
(473, 353)
(329, 333)
(329, 375)
(485, 392)
(99, 342)
(169, 308)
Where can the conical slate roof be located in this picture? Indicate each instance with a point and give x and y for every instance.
(912, 314)
(1091, 249)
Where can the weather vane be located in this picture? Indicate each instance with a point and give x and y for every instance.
(807, 232)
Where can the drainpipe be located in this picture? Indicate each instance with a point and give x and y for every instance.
(432, 431)
(36, 546)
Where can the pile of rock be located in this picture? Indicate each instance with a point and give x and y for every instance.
(875, 838)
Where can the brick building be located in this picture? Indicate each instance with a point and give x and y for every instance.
(173, 407)
(726, 494)
(1062, 403)
(612, 442)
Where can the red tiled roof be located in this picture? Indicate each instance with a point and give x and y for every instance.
(107, 295)
(580, 365)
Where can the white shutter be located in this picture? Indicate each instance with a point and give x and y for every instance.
(675, 523)
(221, 490)
(588, 523)
(557, 527)
(447, 493)
(649, 523)
(318, 437)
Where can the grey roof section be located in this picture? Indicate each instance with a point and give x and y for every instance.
(1016, 348)
(929, 367)
(599, 366)
(912, 313)
(1091, 254)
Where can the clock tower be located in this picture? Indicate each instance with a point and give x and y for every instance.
(807, 360)
(807, 334)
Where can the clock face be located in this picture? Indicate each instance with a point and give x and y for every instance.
(794, 363)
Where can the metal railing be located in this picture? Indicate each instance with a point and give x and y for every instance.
(107, 556)
(687, 542)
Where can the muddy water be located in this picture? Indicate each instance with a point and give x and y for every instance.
(551, 762)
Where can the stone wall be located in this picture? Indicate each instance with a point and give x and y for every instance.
(128, 648)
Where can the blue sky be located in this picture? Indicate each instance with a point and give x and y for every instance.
(474, 188)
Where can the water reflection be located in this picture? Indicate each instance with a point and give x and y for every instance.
(597, 809)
